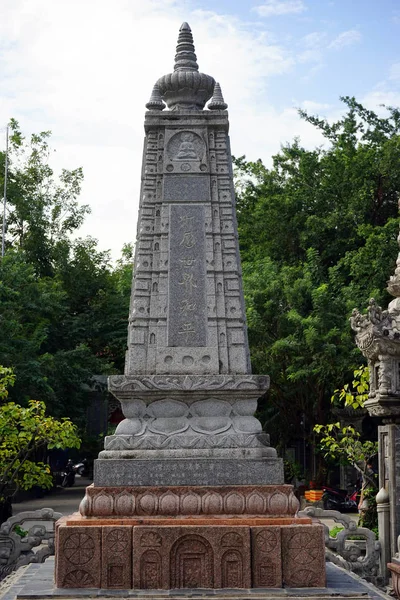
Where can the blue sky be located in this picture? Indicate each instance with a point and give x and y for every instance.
(85, 68)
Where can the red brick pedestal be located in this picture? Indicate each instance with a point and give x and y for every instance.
(228, 549)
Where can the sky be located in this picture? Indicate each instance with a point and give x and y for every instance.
(84, 69)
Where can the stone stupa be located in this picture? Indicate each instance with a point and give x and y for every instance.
(188, 493)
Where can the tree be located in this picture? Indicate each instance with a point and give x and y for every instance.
(64, 306)
(346, 444)
(317, 234)
(23, 432)
(42, 210)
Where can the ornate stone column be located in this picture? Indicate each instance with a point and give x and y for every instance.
(378, 337)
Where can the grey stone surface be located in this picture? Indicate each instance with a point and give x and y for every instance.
(37, 581)
(343, 550)
(189, 471)
(179, 441)
(16, 551)
(187, 189)
(187, 316)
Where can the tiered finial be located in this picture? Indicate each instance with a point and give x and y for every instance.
(186, 88)
(217, 101)
(185, 58)
(155, 102)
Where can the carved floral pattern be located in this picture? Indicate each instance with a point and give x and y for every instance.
(79, 548)
(78, 579)
(188, 382)
(117, 540)
(209, 501)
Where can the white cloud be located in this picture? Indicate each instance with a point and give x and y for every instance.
(346, 38)
(273, 8)
(85, 69)
(314, 39)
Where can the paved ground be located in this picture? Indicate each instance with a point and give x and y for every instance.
(63, 500)
(35, 582)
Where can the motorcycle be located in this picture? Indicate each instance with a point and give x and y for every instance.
(66, 477)
(82, 468)
(341, 500)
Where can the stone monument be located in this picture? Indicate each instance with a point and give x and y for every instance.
(188, 493)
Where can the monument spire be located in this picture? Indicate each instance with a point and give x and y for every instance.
(186, 88)
(185, 58)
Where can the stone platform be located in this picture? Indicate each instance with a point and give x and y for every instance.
(174, 553)
(36, 582)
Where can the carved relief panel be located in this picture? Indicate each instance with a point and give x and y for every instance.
(185, 151)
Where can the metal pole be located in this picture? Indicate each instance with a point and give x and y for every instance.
(3, 239)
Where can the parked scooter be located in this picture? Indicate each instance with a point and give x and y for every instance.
(82, 468)
(66, 477)
(341, 500)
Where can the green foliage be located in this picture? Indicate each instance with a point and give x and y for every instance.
(318, 236)
(293, 471)
(20, 531)
(64, 306)
(7, 378)
(356, 393)
(23, 432)
(345, 443)
(369, 516)
(335, 530)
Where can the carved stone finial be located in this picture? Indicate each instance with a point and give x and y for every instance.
(155, 102)
(186, 88)
(217, 101)
(185, 58)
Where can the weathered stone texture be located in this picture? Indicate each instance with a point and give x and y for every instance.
(116, 552)
(266, 557)
(78, 557)
(191, 557)
(303, 556)
(188, 471)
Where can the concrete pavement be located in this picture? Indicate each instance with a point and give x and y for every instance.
(63, 500)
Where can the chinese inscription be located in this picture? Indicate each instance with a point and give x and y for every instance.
(187, 317)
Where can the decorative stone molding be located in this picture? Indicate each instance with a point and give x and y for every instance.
(176, 442)
(277, 501)
(124, 385)
(15, 550)
(346, 552)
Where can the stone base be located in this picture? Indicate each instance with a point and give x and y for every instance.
(187, 471)
(190, 501)
(394, 568)
(109, 555)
